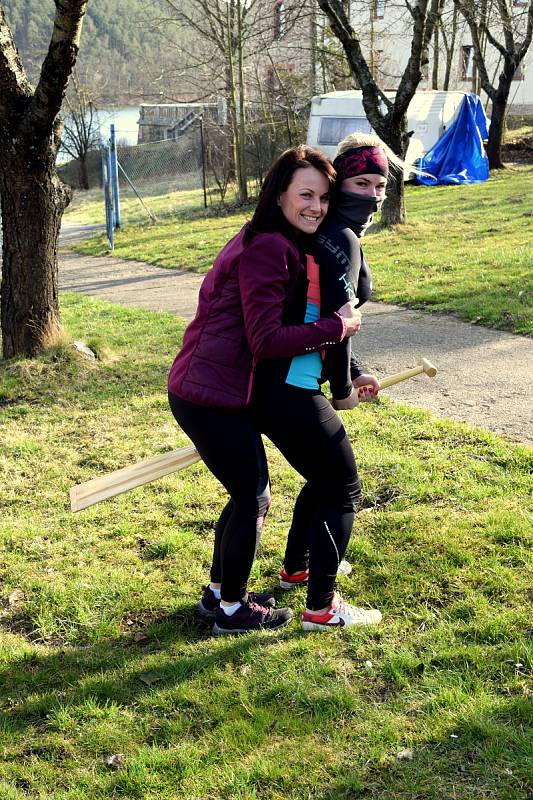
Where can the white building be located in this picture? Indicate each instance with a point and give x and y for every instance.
(385, 30)
(388, 40)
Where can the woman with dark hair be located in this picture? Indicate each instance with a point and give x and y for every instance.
(227, 384)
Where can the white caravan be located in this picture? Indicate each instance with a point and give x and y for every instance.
(336, 114)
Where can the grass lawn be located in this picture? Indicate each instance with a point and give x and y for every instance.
(101, 652)
(88, 207)
(468, 250)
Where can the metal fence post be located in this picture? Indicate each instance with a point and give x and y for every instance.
(108, 200)
(203, 158)
(114, 175)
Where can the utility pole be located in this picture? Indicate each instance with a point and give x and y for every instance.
(372, 52)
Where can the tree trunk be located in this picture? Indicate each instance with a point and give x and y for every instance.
(243, 179)
(394, 133)
(435, 70)
(33, 200)
(450, 48)
(83, 174)
(494, 144)
(497, 119)
(393, 211)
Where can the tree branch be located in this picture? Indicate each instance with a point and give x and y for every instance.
(372, 94)
(494, 42)
(57, 67)
(15, 89)
(524, 47)
(424, 23)
(468, 13)
(507, 25)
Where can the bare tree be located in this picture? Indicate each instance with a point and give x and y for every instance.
(388, 117)
(81, 132)
(515, 29)
(220, 48)
(448, 29)
(219, 31)
(32, 195)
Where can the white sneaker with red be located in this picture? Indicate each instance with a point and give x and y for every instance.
(340, 615)
(287, 581)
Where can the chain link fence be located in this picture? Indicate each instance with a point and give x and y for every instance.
(168, 175)
(192, 172)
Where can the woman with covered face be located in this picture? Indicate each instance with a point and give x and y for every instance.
(338, 268)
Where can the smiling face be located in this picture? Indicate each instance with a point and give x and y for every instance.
(368, 184)
(305, 202)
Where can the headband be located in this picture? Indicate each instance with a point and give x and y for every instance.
(366, 160)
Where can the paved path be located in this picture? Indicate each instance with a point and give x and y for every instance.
(485, 377)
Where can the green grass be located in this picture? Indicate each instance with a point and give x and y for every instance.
(441, 546)
(160, 196)
(466, 250)
(87, 208)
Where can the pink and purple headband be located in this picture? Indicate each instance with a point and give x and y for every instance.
(366, 160)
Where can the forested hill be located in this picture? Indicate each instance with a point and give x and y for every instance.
(120, 52)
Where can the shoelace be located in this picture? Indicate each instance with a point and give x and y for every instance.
(341, 604)
(256, 607)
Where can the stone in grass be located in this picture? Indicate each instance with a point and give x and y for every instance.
(15, 598)
(344, 568)
(82, 348)
(405, 755)
(115, 761)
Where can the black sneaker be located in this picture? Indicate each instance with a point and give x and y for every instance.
(208, 603)
(250, 617)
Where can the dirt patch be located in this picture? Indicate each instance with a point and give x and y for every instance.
(518, 149)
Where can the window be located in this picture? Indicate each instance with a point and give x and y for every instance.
(379, 9)
(333, 129)
(467, 62)
(280, 19)
(271, 80)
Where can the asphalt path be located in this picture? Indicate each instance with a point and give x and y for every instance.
(485, 377)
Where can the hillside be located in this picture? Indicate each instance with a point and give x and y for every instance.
(120, 51)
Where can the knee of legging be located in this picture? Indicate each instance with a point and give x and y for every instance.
(253, 505)
(264, 501)
(354, 492)
(343, 493)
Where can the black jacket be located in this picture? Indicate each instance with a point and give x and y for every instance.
(344, 274)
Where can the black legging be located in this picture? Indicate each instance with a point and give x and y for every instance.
(304, 427)
(234, 453)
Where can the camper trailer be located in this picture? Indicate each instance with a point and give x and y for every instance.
(336, 114)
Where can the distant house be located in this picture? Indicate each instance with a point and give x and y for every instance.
(387, 27)
(158, 122)
(292, 44)
(297, 37)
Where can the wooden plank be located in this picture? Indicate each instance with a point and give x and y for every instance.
(122, 480)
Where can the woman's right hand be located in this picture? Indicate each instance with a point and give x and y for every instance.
(351, 316)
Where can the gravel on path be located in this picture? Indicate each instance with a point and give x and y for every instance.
(485, 376)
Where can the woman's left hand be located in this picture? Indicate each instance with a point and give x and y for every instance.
(351, 316)
(368, 386)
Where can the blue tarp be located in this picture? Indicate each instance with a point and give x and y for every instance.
(459, 155)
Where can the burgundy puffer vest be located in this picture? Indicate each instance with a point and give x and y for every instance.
(239, 322)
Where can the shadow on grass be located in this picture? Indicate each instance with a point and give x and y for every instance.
(117, 671)
(480, 751)
(487, 754)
